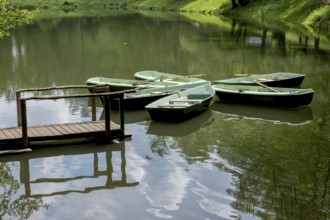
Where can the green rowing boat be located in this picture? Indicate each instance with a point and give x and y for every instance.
(141, 97)
(153, 75)
(124, 84)
(264, 95)
(280, 79)
(183, 105)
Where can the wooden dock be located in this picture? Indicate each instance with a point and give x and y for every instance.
(104, 130)
(59, 132)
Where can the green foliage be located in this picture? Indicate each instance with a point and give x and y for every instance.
(308, 12)
(319, 17)
(12, 16)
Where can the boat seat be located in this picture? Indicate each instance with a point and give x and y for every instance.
(185, 101)
(174, 105)
(198, 96)
(265, 79)
(245, 81)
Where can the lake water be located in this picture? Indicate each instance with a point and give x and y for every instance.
(231, 162)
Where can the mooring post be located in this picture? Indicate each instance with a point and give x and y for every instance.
(18, 106)
(97, 89)
(93, 106)
(107, 115)
(25, 140)
(122, 115)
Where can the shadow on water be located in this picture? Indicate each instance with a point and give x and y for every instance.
(130, 116)
(180, 129)
(277, 115)
(32, 198)
(162, 128)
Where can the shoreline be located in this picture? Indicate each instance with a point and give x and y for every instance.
(316, 15)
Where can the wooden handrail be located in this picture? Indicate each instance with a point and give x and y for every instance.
(116, 93)
(102, 87)
(22, 115)
(47, 97)
(59, 88)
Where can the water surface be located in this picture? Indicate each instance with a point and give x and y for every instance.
(231, 162)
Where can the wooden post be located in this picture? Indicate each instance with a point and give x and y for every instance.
(93, 106)
(18, 103)
(25, 140)
(96, 89)
(107, 115)
(122, 115)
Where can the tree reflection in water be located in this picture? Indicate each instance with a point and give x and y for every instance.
(159, 145)
(15, 204)
(12, 204)
(278, 173)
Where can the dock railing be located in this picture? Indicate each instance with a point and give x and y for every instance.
(95, 92)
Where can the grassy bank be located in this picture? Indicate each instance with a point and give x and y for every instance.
(314, 13)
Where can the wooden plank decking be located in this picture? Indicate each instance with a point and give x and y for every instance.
(104, 130)
(59, 131)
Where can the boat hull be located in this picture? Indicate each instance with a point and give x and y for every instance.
(138, 100)
(153, 75)
(127, 84)
(286, 80)
(287, 83)
(179, 115)
(285, 99)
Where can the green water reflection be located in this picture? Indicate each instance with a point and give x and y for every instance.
(14, 203)
(284, 169)
(231, 162)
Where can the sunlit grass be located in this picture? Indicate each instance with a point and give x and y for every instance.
(309, 12)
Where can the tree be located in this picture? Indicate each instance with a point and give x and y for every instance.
(12, 16)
